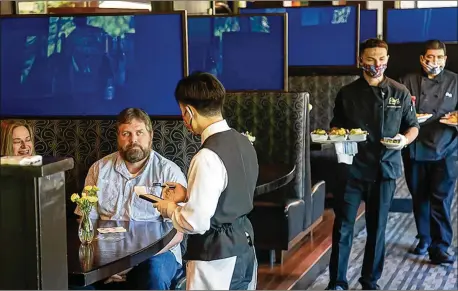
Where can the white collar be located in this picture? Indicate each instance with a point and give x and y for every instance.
(213, 128)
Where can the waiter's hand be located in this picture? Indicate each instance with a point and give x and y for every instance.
(450, 114)
(165, 208)
(174, 192)
(402, 142)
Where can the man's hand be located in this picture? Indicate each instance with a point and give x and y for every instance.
(174, 192)
(120, 277)
(165, 208)
(115, 278)
(402, 143)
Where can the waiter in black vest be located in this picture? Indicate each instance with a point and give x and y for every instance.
(383, 108)
(431, 162)
(221, 182)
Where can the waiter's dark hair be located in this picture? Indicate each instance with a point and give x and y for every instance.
(203, 91)
(434, 44)
(372, 43)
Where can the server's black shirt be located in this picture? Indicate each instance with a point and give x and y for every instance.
(383, 111)
(436, 96)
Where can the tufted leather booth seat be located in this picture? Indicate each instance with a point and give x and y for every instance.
(280, 123)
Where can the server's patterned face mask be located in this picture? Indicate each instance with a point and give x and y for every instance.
(373, 70)
(433, 68)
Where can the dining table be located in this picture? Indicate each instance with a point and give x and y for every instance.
(112, 253)
(273, 176)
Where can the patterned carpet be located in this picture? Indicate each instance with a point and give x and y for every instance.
(402, 190)
(403, 271)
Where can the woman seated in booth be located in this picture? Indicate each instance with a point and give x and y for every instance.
(16, 138)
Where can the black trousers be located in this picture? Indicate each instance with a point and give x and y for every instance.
(377, 196)
(432, 185)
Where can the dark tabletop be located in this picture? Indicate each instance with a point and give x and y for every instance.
(104, 257)
(273, 176)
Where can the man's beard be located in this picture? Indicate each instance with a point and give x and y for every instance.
(134, 153)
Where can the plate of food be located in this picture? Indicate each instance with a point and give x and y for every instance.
(338, 134)
(450, 119)
(422, 117)
(357, 134)
(319, 135)
(390, 142)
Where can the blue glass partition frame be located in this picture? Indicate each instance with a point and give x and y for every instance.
(296, 70)
(184, 48)
(285, 43)
(386, 34)
(364, 15)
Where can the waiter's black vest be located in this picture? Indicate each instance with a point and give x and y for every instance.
(227, 236)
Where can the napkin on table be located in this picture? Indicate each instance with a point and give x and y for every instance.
(22, 160)
(111, 229)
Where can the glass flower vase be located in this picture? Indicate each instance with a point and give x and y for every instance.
(86, 229)
(86, 256)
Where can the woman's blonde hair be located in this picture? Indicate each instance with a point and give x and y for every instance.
(6, 136)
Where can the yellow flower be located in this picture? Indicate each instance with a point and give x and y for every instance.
(92, 199)
(75, 197)
(251, 138)
(88, 196)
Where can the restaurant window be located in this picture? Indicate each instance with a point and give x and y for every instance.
(427, 4)
(41, 7)
(430, 4)
(407, 4)
(125, 5)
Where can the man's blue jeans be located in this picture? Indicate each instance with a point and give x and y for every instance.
(157, 273)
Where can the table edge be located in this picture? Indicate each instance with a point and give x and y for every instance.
(104, 272)
(282, 181)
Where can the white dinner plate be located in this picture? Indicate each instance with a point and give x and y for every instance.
(357, 137)
(424, 118)
(446, 122)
